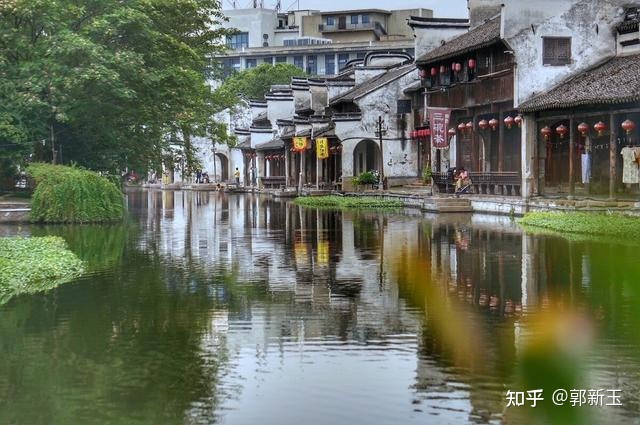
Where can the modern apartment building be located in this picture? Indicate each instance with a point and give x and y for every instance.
(321, 43)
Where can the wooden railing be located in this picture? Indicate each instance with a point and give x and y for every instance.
(490, 183)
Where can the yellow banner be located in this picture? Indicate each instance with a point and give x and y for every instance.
(299, 143)
(322, 147)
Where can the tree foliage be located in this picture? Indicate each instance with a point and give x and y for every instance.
(254, 83)
(110, 79)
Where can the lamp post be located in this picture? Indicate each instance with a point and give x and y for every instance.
(379, 134)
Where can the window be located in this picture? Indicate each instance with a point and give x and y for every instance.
(312, 64)
(556, 51)
(330, 21)
(343, 58)
(365, 19)
(361, 55)
(268, 60)
(329, 64)
(230, 65)
(251, 63)
(354, 19)
(238, 41)
(298, 61)
(281, 59)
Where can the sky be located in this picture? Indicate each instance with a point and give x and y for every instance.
(441, 8)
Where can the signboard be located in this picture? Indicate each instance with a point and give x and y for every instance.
(322, 147)
(439, 121)
(299, 144)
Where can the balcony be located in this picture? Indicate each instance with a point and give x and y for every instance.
(345, 27)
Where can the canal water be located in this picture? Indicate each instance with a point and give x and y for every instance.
(237, 309)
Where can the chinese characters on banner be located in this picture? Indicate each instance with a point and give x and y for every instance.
(439, 121)
(322, 147)
(299, 144)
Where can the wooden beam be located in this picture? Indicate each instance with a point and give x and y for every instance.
(572, 149)
(501, 141)
(612, 156)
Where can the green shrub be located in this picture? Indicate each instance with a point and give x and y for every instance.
(426, 174)
(365, 178)
(29, 265)
(73, 195)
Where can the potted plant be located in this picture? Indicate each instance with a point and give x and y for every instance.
(366, 178)
(426, 175)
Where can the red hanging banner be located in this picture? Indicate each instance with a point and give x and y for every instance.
(439, 121)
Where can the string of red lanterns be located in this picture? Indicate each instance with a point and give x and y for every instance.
(583, 128)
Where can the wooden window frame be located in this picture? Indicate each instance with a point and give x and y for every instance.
(555, 59)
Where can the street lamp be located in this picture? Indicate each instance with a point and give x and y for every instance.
(379, 133)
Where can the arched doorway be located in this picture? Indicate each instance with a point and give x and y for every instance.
(221, 170)
(366, 157)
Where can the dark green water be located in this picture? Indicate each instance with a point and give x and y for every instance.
(234, 309)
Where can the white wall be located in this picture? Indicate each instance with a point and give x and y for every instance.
(589, 23)
(254, 21)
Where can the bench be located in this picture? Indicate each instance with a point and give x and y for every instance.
(273, 182)
(489, 183)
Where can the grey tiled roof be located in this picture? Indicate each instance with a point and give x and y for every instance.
(479, 37)
(614, 81)
(368, 86)
(273, 144)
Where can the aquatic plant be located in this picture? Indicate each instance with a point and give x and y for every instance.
(618, 225)
(73, 195)
(29, 265)
(347, 202)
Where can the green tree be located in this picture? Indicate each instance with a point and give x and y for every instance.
(254, 83)
(108, 79)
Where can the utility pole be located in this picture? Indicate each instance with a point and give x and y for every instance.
(380, 122)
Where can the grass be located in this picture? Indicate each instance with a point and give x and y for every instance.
(73, 195)
(611, 225)
(364, 202)
(29, 265)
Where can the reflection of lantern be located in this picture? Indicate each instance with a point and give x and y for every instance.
(472, 63)
(434, 71)
(518, 120)
(583, 128)
(600, 127)
(508, 121)
(469, 126)
(493, 123)
(628, 126)
(546, 132)
(562, 130)
(451, 132)
(422, 73)
(483, 124)
(461, 126)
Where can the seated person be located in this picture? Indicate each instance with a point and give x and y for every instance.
(462, 179)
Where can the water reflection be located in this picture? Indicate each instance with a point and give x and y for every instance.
(218, 308)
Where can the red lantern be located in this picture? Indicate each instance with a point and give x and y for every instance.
(442, 69)
(493, 123)
(583, 128)
(546, 132)
(508, 121)
(456, 67)
(422, 73)
(483, 124)
(434, 71)
(462, 127)
(451, 132)
(518, 120)
(628, 126)
(469, 126)
(600, 127)
(562, 130)
(472, 63)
